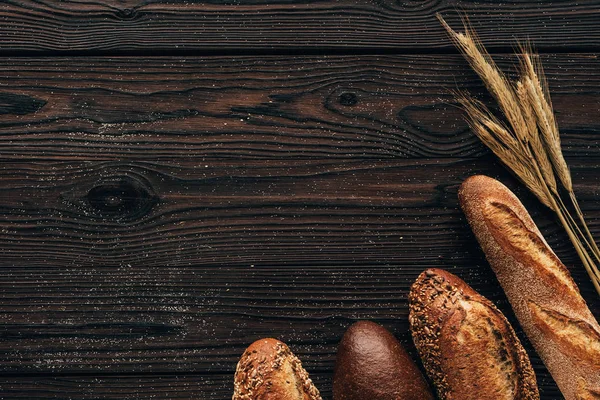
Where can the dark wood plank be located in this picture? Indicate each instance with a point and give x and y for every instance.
(151, 223)
(337, 107)
(239, 212)
(159, 387)
(293, 252)
(250, 25)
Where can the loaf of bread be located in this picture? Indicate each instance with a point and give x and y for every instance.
(268, 370)
(467, 346)
(540, 289)
(372, 365)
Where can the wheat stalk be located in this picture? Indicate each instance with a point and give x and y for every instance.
(529, 145)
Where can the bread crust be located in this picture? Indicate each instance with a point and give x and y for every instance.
(371, 364)
(467, 346)
(542, 293)
(268, 370)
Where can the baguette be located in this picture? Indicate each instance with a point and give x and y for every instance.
(467, 346)
(268, 370)
(539, 287)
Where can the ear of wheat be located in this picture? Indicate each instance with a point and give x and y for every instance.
(528, 143)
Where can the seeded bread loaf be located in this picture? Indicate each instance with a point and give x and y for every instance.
(268, 370)
(467, 346)
(539, 287)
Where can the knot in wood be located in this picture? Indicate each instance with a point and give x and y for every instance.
(122, 198)
(127, 14)
(348, 99)
(19, 104)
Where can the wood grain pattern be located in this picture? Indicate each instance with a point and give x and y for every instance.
(160, 387)
(156, 27)
(178, 193)
(255, 250)
(238, 212)
(265, 107)
(156, 217)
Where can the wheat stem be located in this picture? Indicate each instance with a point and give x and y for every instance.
(594, 246)
(588, 263)
(573, 225)
(583, 255)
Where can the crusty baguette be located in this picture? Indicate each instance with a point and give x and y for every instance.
(539, 287)
(372, 365)
(467, 346)
(268, 370)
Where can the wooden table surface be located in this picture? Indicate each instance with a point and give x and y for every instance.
(179, 179)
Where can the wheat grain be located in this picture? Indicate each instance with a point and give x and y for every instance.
(537, 86)
(515, 154)
(537, 147)
(495, 81)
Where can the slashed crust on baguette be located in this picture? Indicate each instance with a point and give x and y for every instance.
(575, 337)
(467, 346)
(585, 393)
(519, 241)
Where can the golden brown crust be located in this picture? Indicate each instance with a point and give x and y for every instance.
(268, 370)
(584, 393)
(468, 348)
(539, 287)
(519, 241)
(574, 337)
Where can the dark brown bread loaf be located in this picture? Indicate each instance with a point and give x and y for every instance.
(540, 289)
(468, 348)
(268, 370)
(372, 365)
